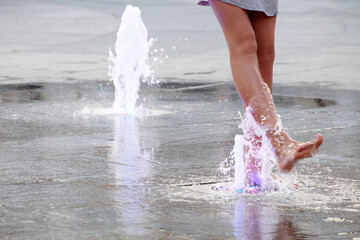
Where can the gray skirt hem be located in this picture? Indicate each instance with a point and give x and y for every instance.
(270, 8)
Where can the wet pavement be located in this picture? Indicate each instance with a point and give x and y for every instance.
(69, 171)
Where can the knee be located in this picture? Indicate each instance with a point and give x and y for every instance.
(243, 45)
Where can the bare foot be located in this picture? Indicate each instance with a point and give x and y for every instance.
(252, 168)
(252, 177)
(290, 152)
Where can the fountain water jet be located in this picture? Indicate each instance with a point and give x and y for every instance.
(261, 172)
(130, 63)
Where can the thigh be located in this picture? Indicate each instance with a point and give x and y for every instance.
(264, 28)
(234, 22)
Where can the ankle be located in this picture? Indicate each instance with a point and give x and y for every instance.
(279, 139)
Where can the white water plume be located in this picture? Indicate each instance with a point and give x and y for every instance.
(130, 63)
(253, 159)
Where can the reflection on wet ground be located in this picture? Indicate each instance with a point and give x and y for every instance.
(66, 174)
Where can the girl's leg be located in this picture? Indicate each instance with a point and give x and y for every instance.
(264, 29)
(243, 48)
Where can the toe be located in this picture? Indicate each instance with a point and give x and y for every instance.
(304, 150)
(304, 147)
(319, 140)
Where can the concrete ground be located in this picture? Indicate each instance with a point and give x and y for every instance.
(316, 42)
(69, 172)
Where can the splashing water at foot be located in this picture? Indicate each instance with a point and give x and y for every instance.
(130, 63)
(254, 160)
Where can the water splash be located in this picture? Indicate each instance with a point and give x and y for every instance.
(130, 63)
(253, 159)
